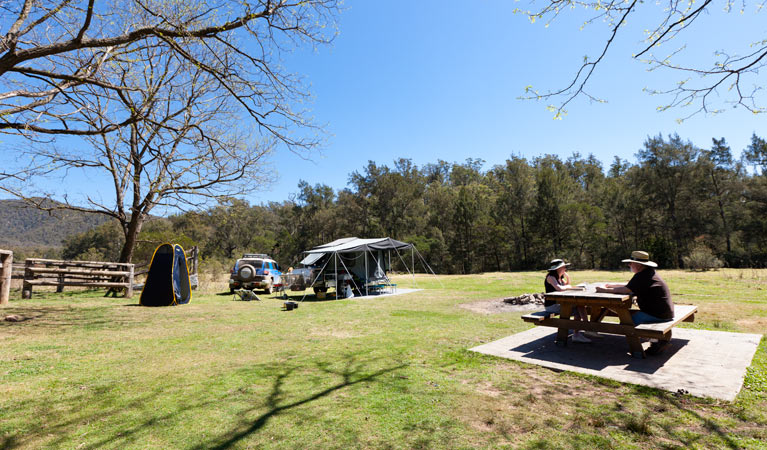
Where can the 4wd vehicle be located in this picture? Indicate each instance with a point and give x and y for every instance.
(255, 271)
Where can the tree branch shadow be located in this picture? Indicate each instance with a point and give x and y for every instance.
(350, 375)
(679, 402)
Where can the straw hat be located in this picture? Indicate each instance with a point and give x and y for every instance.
(640, 257)
(557, 263)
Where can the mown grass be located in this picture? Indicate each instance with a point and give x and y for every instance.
(85, 371)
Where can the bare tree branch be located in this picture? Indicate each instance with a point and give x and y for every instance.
(728, 79)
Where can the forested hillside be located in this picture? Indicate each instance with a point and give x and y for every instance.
(688, 207)
(23, 227)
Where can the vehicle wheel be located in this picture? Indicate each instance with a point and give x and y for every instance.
(268, 289)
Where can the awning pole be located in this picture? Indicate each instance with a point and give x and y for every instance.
(335, 264)
(350, 274)
(404, 264)
(378, 264)
(315, 278)
(367, 276)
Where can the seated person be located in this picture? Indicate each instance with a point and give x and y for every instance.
(653, 295)
(559, 280)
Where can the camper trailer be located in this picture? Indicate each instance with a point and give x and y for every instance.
(351, 265)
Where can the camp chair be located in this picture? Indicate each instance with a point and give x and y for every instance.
(246, 295)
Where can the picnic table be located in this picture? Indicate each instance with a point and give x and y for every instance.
(600, 305)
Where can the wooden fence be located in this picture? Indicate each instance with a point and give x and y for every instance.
(92, 274)
(6, 267)
(60, 273)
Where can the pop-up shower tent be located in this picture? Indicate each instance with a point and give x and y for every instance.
(167, 282)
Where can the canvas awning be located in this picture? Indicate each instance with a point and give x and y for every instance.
(311, 259)
(348, 245)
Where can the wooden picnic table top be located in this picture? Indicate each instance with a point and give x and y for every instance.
(589, 296)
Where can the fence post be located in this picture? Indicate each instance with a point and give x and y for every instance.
(129, 289)
(60, 287)
(26, 290)
(6, 258)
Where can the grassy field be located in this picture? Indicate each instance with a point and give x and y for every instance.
(89, 372)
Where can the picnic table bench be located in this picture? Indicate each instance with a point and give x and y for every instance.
(600, 305)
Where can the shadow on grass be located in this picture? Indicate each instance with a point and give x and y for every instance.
(104, 405)
(55, 426)
(64, 316)
(352, 373)
(640, 423)
(710, 425)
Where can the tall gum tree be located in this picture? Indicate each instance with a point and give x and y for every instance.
(178, 102)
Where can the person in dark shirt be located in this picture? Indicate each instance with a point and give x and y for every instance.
(652, 293)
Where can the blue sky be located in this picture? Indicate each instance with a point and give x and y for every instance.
(432, 80)
(440, 79)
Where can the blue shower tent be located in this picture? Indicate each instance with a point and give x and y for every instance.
(167, 282)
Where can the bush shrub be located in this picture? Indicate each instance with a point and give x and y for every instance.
(702, 258)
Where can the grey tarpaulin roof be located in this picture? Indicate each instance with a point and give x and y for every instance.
(311, 259)
(353, 244)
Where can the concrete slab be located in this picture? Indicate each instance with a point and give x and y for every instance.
(704, 363)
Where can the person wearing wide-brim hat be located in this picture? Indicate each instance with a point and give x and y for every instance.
(557, 279)
(652, 293)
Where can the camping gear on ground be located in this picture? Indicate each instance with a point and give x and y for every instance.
(167, 282)
(289, 306)
(246, 295)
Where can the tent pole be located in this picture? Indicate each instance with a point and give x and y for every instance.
(350, 273)
(315, 279)
(412, 264)
(378, 264)
(403, 261)
(335, 267)
(367, 276)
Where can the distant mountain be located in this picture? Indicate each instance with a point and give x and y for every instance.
(23, 226)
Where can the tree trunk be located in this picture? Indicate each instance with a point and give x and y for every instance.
(131, 231)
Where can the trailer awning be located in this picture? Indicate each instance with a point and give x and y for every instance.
(311, 259)
(348, 245)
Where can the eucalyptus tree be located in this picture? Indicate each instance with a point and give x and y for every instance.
(756, 154)
(514, 183)
(753, 226)
(555, 190)
(51, 48)
(722, 173)
(181, 152)
(669, 177)
(153, 94)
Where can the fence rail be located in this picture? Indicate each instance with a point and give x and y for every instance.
(59, 273)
